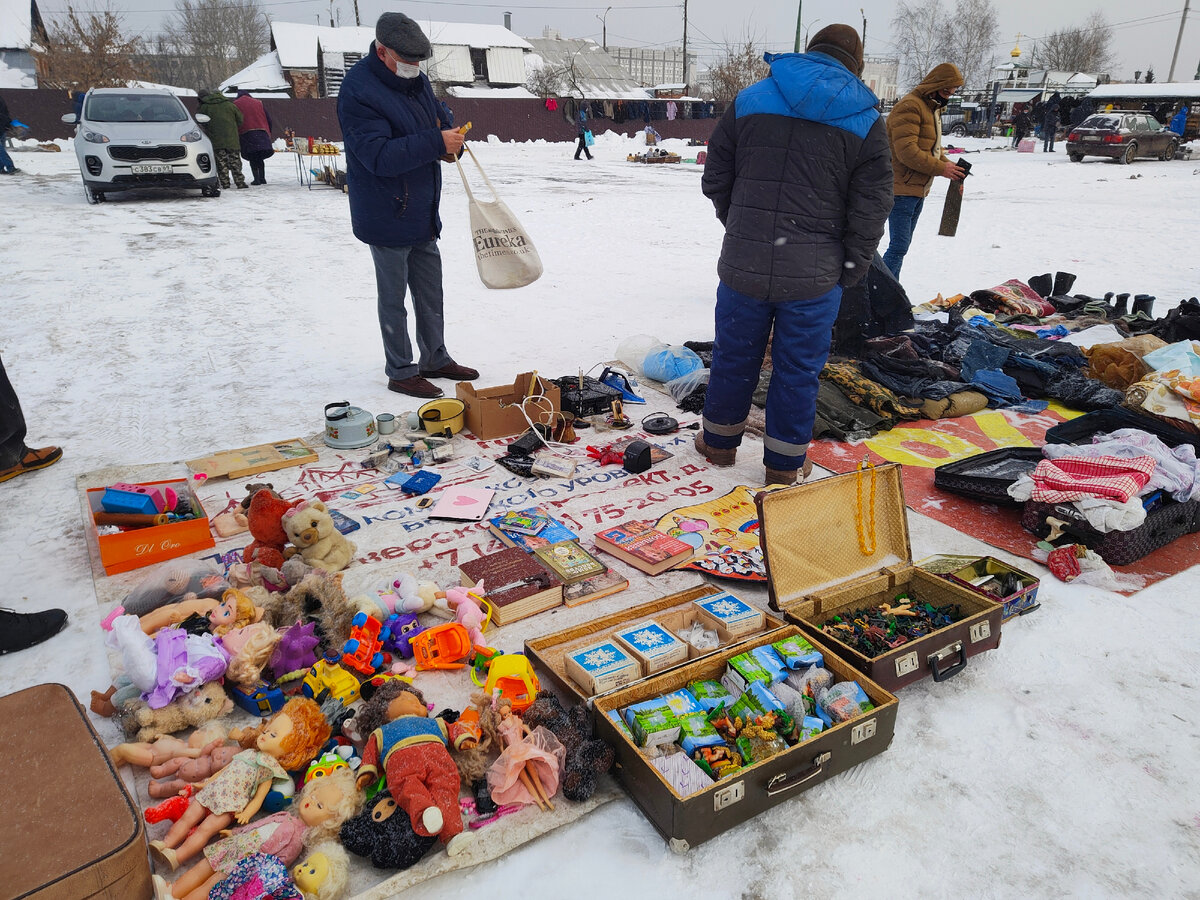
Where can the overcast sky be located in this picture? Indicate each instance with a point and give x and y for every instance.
(1144, 31)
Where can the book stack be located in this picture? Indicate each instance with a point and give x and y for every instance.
(515, 583)
(529, 529)
(643, 547)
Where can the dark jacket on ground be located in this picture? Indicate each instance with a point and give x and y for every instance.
(799, 172)
(226, 120)
(392, 128)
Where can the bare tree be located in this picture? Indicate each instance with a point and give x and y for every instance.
(919, 31)
(740, 66)
(1079, 48)
(546, 80)
(212, 39)
(968, 39)
(88, 49)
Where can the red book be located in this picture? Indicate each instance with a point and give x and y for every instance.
(643, 547)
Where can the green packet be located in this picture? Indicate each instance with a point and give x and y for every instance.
(798, 653)
(710, 694)
(652, 723)
(743, 670)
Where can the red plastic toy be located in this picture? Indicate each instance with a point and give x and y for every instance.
(171, 808)
(363, 652)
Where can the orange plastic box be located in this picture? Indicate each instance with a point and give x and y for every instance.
(139, 547)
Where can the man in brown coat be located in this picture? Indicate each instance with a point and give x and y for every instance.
(914, 129)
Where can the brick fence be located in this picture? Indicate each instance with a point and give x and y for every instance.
(508, 120)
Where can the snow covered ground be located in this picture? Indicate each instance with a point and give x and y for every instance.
(156, 327)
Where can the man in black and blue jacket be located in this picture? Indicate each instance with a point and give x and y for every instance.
(800, 174)
(395, 132)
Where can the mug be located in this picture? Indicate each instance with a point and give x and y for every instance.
(385, 423)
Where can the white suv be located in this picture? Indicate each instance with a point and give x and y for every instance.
(133, 138)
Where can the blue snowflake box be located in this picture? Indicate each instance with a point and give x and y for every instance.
(602, 667)
(734, 618)
(652, 645)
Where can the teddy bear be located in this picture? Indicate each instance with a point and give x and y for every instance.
(317, 598)
(264, 518)
(587, 757)
(141, 723)
(310, 529)
(383, 833)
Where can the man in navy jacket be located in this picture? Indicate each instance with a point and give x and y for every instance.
(395, 132)
(800, 175)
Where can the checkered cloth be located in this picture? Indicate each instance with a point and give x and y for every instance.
(1076, 477)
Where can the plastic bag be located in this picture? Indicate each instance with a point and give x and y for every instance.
(844, 701)
(633, 350)
(173, 581)
(685, 385)
(670, 362)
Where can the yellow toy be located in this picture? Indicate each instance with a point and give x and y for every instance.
(511, 677)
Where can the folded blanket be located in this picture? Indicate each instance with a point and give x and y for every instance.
(1074, 477)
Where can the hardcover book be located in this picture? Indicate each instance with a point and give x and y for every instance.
(643, 547)
(607, 582)
(514, 582)
(522, 522)
(551, 533)
(569, 561)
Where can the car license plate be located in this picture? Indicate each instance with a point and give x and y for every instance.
(1091, 137)
(150, 170)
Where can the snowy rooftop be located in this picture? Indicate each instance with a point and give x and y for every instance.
(15, 78)
(297, 42)
(593, 72)
(1154, 90)
(16, 25)
(264, 74)
(491, 93)
(177, 91)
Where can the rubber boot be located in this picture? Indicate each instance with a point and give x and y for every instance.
(1121, 307)
(1043, 284)
(1143, 303)
(1063, 282)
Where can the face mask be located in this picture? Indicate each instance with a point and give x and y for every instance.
(407, 70)
(939, 100)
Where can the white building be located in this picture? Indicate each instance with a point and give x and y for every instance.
(649, 67)
(20, 27)
(882, 74)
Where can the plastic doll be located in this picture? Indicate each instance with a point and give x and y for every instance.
(412, 749)
(325, 875)
(527, 770)
(166, 748)
(182, 580)
(181, 771)
(317, 814)
(289, 741)
(237, 623)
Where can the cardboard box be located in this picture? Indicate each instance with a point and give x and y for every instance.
(602, 666)
(736, 616)
(139, 547)
(496, 411)
(652, 645)
(673, 612)
(826, 556)
(970, 570)
(688, 821)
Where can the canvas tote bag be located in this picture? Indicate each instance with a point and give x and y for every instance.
(504, 254)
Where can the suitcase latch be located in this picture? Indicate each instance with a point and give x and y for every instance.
(980, 630)
(729, 795)
(906, 663)
(862, 731)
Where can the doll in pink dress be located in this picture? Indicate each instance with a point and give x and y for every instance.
(528, 768)
(316, 815)
(289, 741)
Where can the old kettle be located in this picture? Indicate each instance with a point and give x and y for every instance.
(348, 427)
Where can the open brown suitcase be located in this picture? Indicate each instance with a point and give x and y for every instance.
(69, 829)
(688, 821)
(814, 537)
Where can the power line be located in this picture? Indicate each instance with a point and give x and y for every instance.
(423, 2)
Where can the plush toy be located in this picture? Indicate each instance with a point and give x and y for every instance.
(141, 723)
(180, 771)
(383, 833)
(469, 612)
(318, 598)
(296, 650)
(310, 528)
(264, 517)
(404, 594)
(410, 749)
(586, 758)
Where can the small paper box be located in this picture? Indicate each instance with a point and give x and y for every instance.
(602, 667)
(652, 723)
(652, 645)
(139, 547)
(736, 616)
(496, 411)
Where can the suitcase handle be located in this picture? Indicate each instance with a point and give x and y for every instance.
(781, 782)
(935, 662)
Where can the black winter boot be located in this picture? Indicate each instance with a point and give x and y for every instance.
(1143, 303)
(1121, 306)
(484, 805)
(1063, 282)
(1043, 284)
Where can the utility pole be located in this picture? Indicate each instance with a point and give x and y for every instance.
(685, 72)
(864, 35)
(357, 20)
(1175, 55)
(799, 16)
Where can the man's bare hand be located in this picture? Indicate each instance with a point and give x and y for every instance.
(953, 172)
(453, 140)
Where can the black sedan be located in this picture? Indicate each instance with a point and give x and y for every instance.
(1121, 135)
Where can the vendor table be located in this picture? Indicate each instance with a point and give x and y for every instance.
(319, 168)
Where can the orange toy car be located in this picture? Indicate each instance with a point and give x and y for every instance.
(442, 647)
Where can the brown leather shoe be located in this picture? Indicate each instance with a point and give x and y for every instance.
(415, 386)
(788, 476)
(453, 370)
(32, 460)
